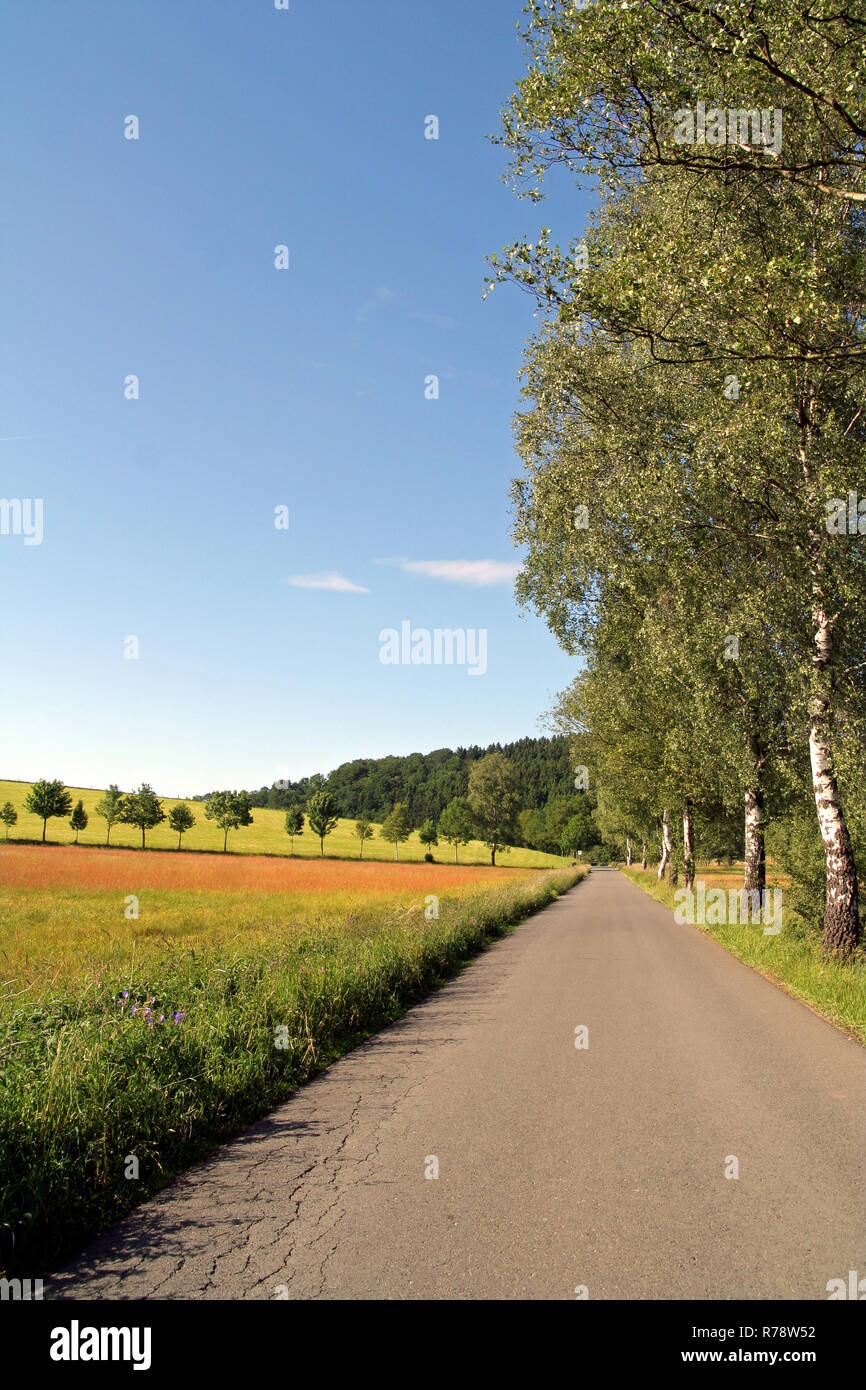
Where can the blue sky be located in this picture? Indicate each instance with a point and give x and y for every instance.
(259, 387)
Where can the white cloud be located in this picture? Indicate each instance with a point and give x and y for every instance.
(338, 583)
(480, 573)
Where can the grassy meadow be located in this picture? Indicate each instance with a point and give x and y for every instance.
(792, 959)
(266, 835)
(157, 1035)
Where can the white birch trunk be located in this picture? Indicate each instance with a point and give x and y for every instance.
(842, 908)
(688, 846)
(667, 844)
(755, 865)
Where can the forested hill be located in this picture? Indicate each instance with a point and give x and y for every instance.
(426, 782)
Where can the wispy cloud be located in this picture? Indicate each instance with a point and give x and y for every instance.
(381, 298)
(480, 573)
(331, 579)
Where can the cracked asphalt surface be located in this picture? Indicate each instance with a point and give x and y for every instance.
(600, 1168)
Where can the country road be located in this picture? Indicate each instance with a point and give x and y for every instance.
(559, 1168)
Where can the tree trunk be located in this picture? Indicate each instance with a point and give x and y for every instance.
(667, 844)
(396, 854)
(643, 854)
(688, 846)
(455, 852)
(44, 827)
(627, 852)
(142, 837)
(493, 856)
(755, 868)
(225, 842)
(108, 836)
(842, 908)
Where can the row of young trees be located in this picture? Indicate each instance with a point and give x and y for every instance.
(142, 808)
(490, 812)
(693, 446)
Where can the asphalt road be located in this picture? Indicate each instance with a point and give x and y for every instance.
(600, 1168)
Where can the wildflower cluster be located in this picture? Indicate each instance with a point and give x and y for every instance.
(147, 1009)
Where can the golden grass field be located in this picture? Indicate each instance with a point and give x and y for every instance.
(72, 913)
(266, 836)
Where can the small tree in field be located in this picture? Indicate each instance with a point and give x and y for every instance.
(294, 824)
(111, 809)
(364, 831)
(79, 819)
(230, 810)
(322, 815)
(493, 802)
(144, 809)
(181, 819)
(396, 827)
(574, 836)
(428, 834)
(455, 824)
(8, 816)
(47, 800)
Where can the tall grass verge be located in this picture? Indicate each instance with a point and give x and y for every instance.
(205, 1041)
(792, 959)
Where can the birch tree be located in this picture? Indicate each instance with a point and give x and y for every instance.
(755, 282)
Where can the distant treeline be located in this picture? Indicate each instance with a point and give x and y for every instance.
(426, 782)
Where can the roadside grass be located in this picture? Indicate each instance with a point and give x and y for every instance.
(793, 959)
(249, 997)
(266, 836)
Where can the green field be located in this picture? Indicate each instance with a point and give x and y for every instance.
(249, 995)
(267, 835)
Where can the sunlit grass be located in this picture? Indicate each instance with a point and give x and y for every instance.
(792, 959)
(85, 1084)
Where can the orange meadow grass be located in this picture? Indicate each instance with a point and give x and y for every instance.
(32, 866)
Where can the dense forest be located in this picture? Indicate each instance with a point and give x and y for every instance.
(425, 783)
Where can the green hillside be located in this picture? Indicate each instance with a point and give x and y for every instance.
(267, 835)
